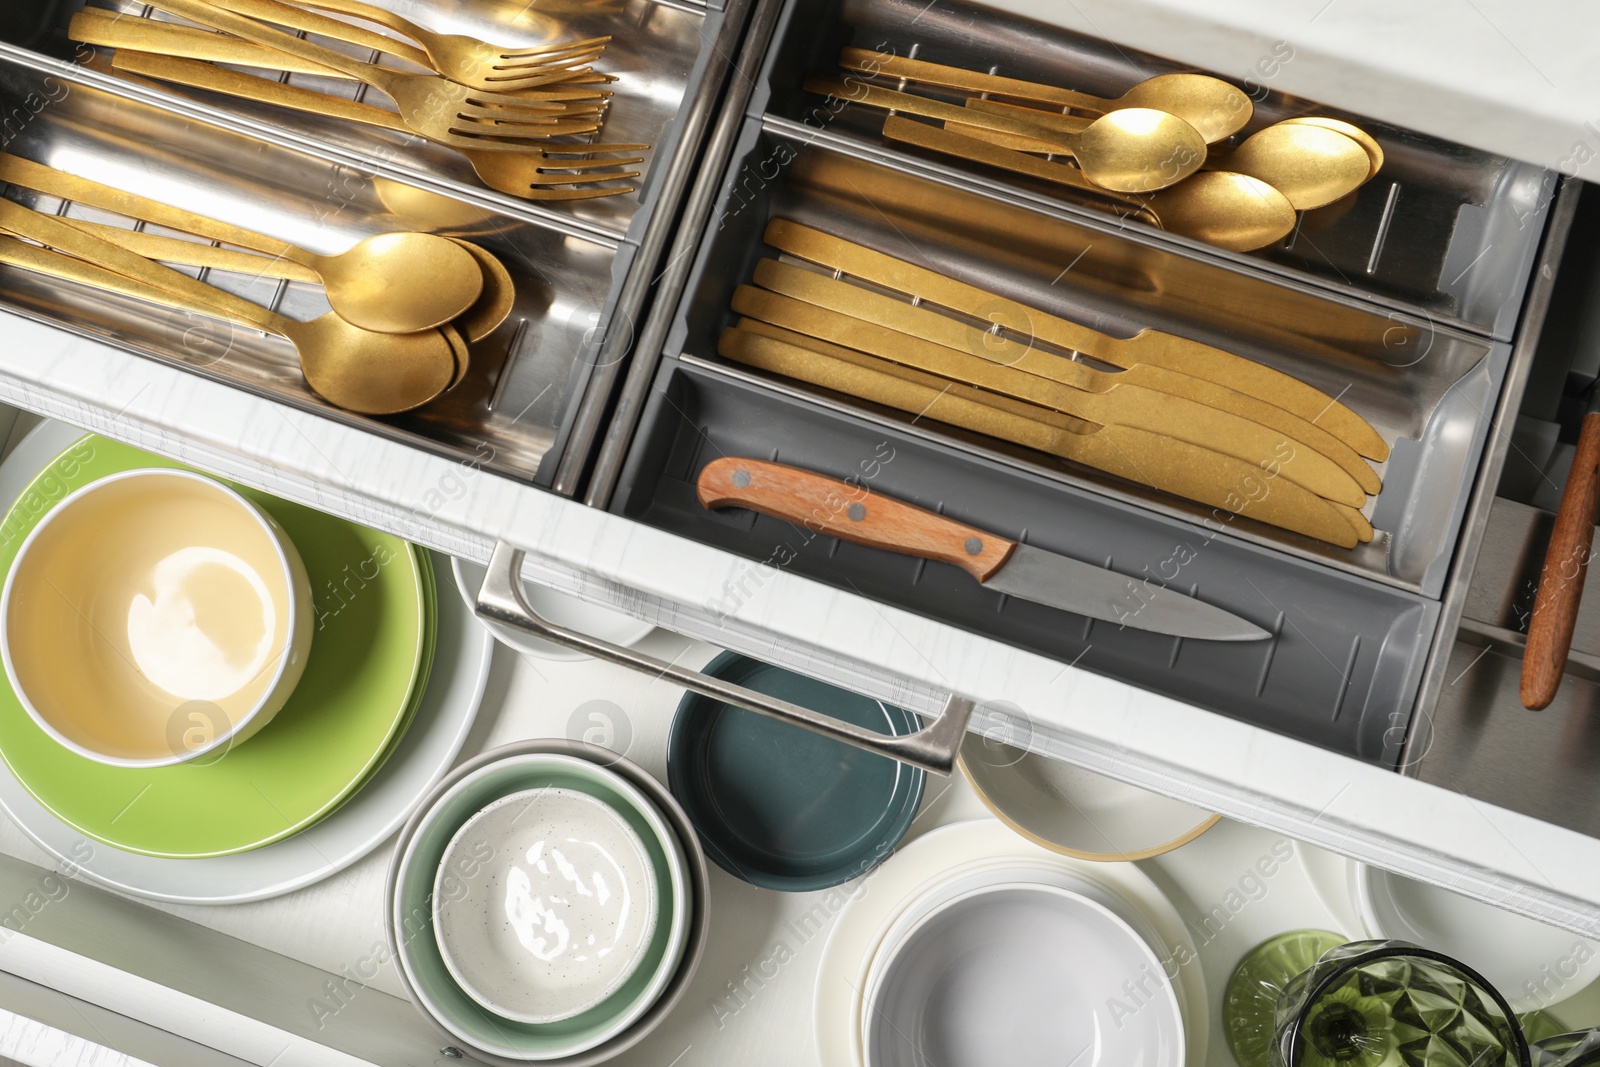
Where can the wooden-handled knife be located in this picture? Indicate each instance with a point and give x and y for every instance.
(1566, 565)
(851, 513)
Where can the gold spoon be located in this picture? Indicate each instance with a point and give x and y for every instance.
(1132, 151)
(1208, 104)
(1373, 149)
(1212, 106)
(1232, 211)
(359, 370)
(392, 283)
(1310, 165)
(478, 322)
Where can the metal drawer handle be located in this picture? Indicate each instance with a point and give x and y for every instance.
(933, 748)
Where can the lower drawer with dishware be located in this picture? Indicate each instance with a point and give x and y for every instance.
(527, 329)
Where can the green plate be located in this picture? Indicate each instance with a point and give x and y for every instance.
(370, 658)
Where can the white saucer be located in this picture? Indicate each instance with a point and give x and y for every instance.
(952, 852)
(557, 607)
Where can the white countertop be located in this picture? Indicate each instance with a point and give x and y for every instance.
(1517, 77)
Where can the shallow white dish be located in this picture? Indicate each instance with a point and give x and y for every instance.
(1532, 965)
(554, 907)
(424, 753)
(557, 607)
(954, 851)
(1023, 974)
(1076, 812)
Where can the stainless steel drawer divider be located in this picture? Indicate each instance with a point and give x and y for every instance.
(933, 748)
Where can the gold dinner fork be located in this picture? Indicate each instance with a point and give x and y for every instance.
(517, 169)
(423, 99)
(109, 29)
(463, 131)
(466, 59)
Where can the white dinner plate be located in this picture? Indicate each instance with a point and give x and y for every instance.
(955, 851)
(556, 607)
(424, 753)
(1532, 964)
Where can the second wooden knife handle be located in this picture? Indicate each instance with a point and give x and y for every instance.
(1555, 606)
(851, 513)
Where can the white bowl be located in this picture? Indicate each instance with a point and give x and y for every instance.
(557, 607)
(1074, 811)
(1021, 974)
(560, 902)
(153, 617)
(1533, 965)
(1014, 871)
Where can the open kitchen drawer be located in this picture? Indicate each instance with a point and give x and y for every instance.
(1302, 737)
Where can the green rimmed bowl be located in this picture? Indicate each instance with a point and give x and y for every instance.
(629, 1013)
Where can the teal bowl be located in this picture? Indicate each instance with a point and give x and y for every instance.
(412, 926)
(780, 806)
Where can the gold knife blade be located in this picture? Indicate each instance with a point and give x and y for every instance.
(1195, 473)
(1118, 404)
(929, 325)
(1153, 347)
(1019, 408)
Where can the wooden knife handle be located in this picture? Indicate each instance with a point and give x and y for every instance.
(850, 513)
(1555, 607)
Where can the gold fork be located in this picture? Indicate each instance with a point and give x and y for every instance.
(423, 99)
(97, 26)
(518, 170)
(461, 132)
(465, 59)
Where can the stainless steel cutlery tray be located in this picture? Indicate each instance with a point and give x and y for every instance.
(509, 412)
(660, 52)
(1443, 231)
(1426, 359)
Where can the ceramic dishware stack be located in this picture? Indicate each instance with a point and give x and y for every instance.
(216, 686)
(547, 903)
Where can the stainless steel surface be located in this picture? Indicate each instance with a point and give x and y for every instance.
(1432, 702)
(642, 285)
(1047, 578)
(507, 413)
(933, 748)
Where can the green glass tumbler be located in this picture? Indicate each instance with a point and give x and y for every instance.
(1369, 1004)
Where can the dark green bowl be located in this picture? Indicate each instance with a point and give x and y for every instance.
(777, 805)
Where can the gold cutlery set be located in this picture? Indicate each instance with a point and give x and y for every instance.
(405, 306)
(517, 115)
(1148, 151)
(1170, 413)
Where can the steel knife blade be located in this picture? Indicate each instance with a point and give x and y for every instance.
(852, 513)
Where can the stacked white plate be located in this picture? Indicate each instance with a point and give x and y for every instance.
(972, 948)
